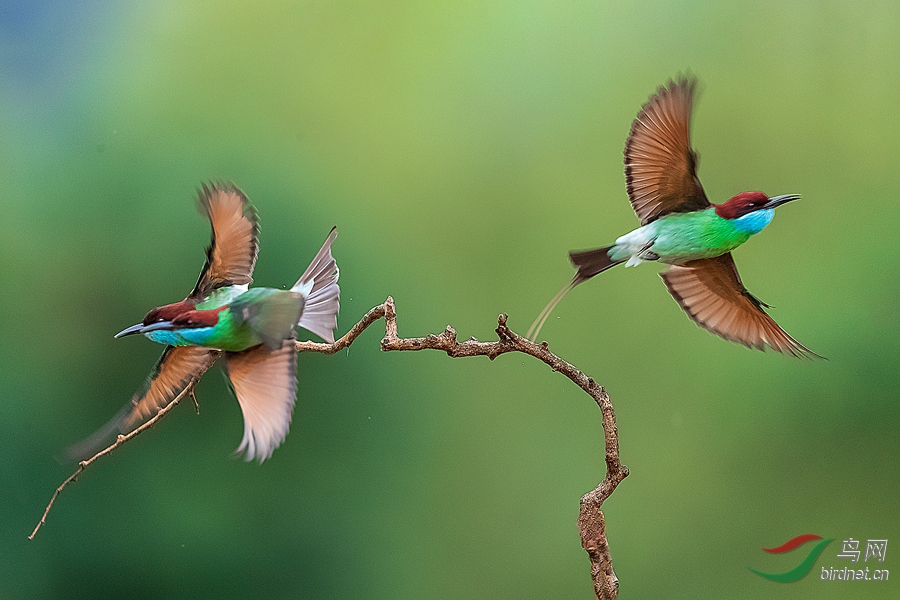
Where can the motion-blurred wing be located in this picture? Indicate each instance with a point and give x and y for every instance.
(660, 166)
(711, 293)
(270, 313)
(177, 368)
(231, 254)
(265, 383)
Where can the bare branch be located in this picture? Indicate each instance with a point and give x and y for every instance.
(370, 317)
(591, 524)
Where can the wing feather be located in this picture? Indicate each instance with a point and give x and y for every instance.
(660, 165)
(233, 246)
(175, 370)
(711, 293)
(265, 383)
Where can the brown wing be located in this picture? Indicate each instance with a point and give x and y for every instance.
(231, 254)
(711, 293)
(176, 369)
(265, 383)
(660, 166)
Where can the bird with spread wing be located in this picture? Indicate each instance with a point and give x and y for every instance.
(680, 227)
(255, 329)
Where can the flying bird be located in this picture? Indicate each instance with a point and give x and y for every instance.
(680, 227)
(255, 329)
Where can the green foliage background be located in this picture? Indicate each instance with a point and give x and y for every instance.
(462, 148)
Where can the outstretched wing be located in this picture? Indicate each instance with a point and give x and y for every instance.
(711, 293)
(231, 254)
(660, 165)
(176, 369)
(265, 383)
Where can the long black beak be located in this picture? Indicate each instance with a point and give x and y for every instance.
(130, 330)
(779, 200)
(141, 328)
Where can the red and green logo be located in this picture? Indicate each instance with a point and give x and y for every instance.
(805, 565)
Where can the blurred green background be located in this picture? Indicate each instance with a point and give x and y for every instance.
(462, 148)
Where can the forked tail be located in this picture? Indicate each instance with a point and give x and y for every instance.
(322, 297)
(588, 263)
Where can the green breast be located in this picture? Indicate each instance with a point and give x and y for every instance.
(227, 334)
(681, 237)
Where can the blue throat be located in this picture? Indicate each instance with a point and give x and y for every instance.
(168, 337)
(196, 336)
(756, 221)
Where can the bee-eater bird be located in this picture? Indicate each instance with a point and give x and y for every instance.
(681, 228)
(255, 329)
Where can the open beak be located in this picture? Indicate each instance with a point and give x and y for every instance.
(779, 200)
(141, 328)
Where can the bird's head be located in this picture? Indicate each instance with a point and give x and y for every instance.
(748, 202)
(197, 318)
(161, 314)
(168, 312)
